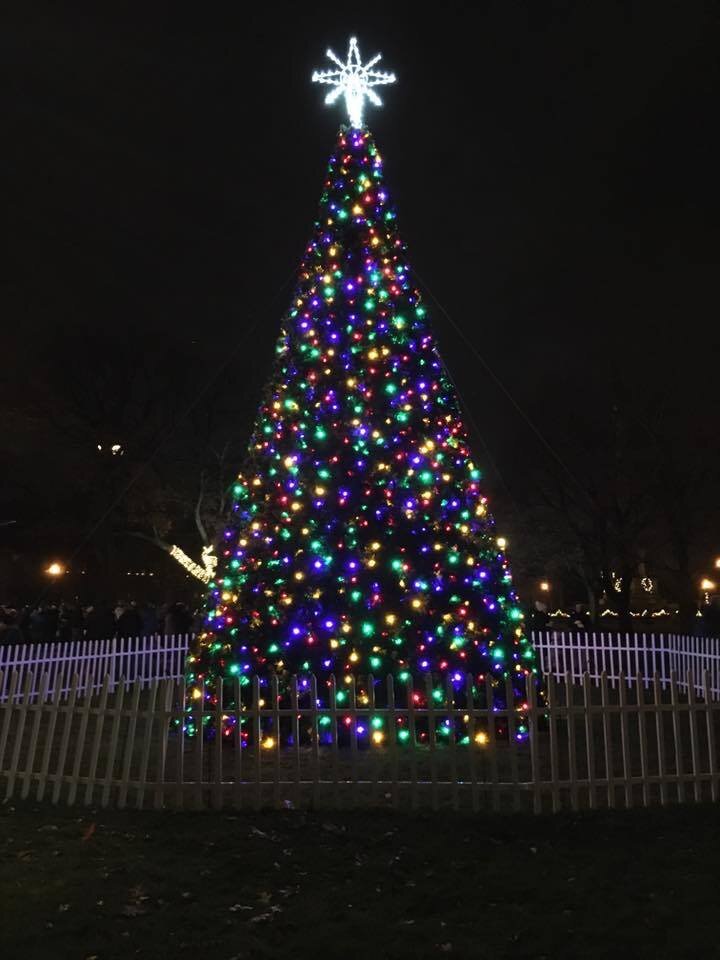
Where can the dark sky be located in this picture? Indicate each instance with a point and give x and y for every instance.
(554, 167)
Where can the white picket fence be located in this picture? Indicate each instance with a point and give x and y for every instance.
(560, 652)
(586, 749)
(631, 654)
(141, 659)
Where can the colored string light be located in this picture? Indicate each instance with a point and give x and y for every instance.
(360, 541)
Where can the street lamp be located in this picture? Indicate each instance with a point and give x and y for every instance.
(707, 587)
(55, 570)
(545, 586)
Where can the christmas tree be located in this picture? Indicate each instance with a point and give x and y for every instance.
(360, 542)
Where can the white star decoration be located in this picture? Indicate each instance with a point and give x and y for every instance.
(355, 80)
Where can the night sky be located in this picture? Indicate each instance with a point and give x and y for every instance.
(554, 167)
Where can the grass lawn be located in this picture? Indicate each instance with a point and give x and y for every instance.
(81, 884)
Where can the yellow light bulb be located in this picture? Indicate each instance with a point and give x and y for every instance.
(481, 738)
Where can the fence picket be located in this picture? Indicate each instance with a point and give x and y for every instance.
(710, 708)
(199, 742)
(677, 739)
(660, 736)
(97, 740)
(640, 687)
(7, 716)
(371, 740)
(335, 731)
(625, 741)
(492, 745)
(607, 740)
(315, 739)
(217, 798)
(533, 722)
(353, 740)
(589, 739)
(392, 740)
(552, 716)
(295, 739)
(146, 744)
(694, 745)
(452, 719)
(473, 744)
(49, 739)
(37, 719)
(19, 732)
(181, 706)
(129, 746)
(571, 744)
(65, 739)
(237, 745)
(257, 738)
(412, 729)
(275, 706)
(117, 714)
(164, 718)
(512, 744)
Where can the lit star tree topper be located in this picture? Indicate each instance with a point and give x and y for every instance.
(354, 80)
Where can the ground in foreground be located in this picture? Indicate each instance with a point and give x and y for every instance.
(87, 884)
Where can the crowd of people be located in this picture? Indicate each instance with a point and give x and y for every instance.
(71, 621)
